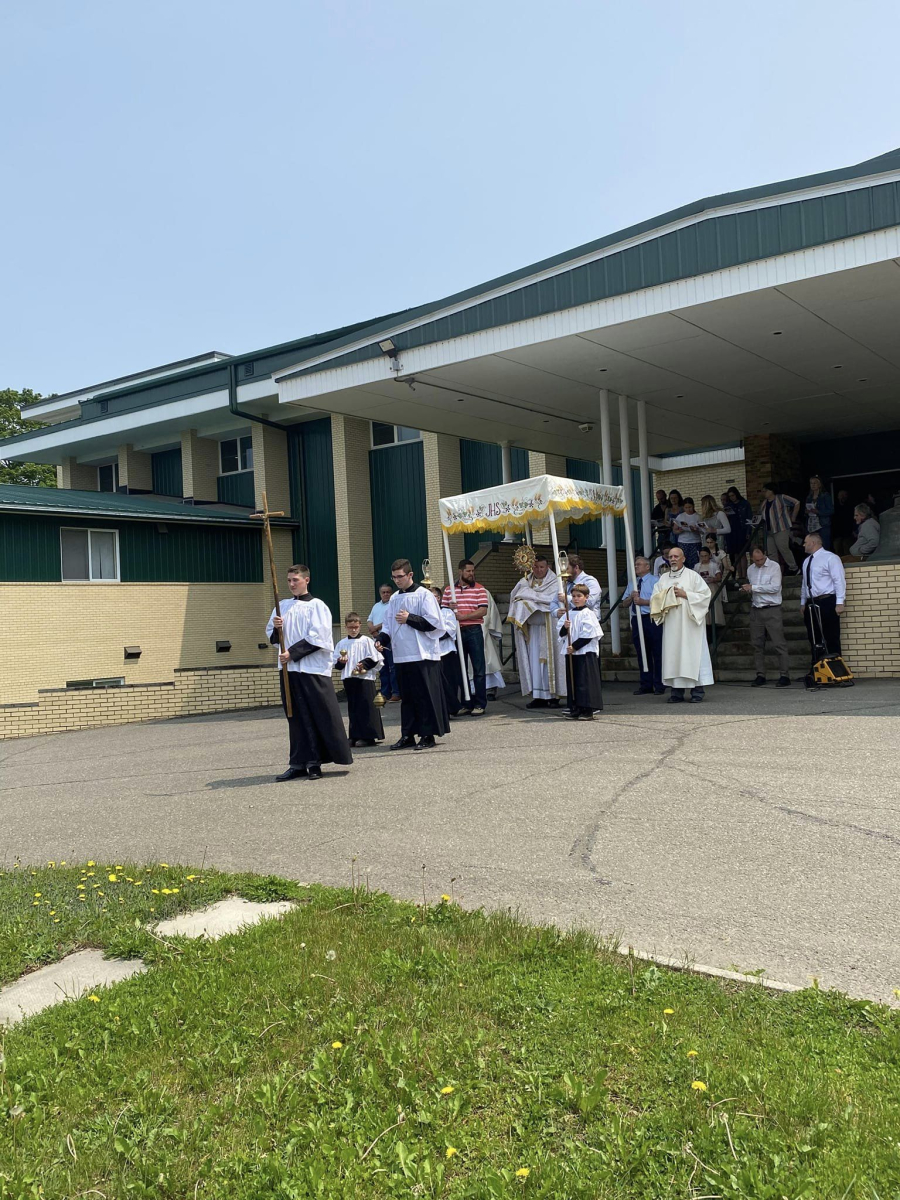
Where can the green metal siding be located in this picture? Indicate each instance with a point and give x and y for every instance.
(317, 512)
(399, 523)
(238, 488)
(589, 535)
(166, 468)
(30, 552)
(481, 466)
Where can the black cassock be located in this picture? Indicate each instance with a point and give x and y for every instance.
(316, 730)
(365, 719)
(584, 690)
(423, 705)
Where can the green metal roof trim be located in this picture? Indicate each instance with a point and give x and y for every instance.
(709, 245)
(19, 498)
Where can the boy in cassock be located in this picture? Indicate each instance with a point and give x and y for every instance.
(451, 676)
(584, 693)
(357, 658)
(412, 627)
(316, 730)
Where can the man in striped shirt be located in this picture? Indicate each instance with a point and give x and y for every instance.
(471, 608)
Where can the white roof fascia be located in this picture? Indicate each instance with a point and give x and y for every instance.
(684, 462)
(594, 256)
(814, 262)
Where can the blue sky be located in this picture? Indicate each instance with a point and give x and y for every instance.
(182, 177)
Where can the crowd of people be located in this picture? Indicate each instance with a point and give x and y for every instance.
(436, 651)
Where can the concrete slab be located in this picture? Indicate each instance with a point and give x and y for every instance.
(78, 973)
(226, 916)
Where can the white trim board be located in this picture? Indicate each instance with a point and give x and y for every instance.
(782, 269)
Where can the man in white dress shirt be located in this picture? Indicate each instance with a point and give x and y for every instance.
(766, 620)
(824, 586)
(577, 574)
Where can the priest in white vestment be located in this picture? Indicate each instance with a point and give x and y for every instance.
(540, 653)
(680, 602)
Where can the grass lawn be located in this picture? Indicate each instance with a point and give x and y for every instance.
(365, 1048)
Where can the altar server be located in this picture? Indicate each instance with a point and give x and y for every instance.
(357, 658)
(413, 628)
(451, 676)
(580, 633)
(316, 730)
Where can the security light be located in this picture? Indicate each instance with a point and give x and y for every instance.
(387, 347)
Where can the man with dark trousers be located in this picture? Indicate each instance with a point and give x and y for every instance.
(824, 586)
(471, 607)
(639, 603)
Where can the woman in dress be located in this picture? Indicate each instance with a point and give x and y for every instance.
(714, 519)
(819, 511)
(674, 508)
(736, 540)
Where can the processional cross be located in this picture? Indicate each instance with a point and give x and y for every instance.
(267, 531)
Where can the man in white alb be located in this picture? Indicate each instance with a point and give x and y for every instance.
(679, 603)
(764, 587)
(539, 650)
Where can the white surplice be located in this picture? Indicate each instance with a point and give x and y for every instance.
(685, 654)
(307, 619)
(409, 644)
(357, 649)
(540, 656)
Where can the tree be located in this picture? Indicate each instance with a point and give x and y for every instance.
(11, 423)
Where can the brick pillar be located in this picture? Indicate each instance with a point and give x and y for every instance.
(769, 458)
(72, 474)
(350, 438)
(270, 467)
(443, 477)
(548, 464)
(135, 470)
(199, 466)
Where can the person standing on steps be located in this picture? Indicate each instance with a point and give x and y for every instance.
(315, 729)
(766, 619)
(412, 629)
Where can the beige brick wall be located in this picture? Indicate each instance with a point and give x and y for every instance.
(548, 464)
(199, 465)
(353, 513)
(175, 624)
(700, 481)
(189, 692)
(72, 474)
(135, 469)
(870, 626)
(443, 477)
(270, 467)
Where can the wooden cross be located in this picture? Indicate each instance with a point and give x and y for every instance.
(267, 530)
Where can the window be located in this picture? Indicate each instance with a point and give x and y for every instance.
(390, 435)
(118, 681)
(236, 454)
(89, 555)
(108, 477)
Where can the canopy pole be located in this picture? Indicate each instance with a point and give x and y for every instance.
(609, 534)
(625, 451)
(644, 465)
(528, 533)
(459, 645)
(629, 550)
(506, 461)
(562, 583)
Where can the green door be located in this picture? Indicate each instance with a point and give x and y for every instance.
(399, 524)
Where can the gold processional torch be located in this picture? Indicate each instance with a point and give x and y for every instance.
(563, 565)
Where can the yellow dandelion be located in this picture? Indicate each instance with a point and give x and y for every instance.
(668, 1012)
(90, 874)
(155, 891)
(139, 883)
(897, 993)
(446, 1091)
(52, 912)
(96, 999)
(191, 878)
(523, 1172)
(167, 891)
(113, 878)
(699, 1086)
(79, 887)
(100, 893)
(174, 890)
(336, 1045)
(37, 895)
(446, 899)
(451, 1150)
(63, 863)
(51, 864)
(164, 865)
(56, 920)
(82, 899)
(91, 863)
(35, 904)
(692, 1053)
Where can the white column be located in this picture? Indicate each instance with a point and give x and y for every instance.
(644, 466)
(625, 448)
(609, 529)
(506, 452)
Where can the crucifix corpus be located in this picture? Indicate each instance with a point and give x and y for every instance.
(267, 531)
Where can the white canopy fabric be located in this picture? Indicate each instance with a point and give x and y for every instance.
(513, 505)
